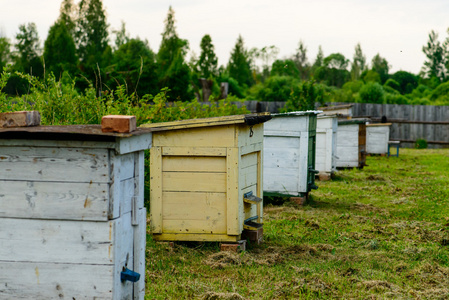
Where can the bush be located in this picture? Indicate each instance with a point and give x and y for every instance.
(372, 92)
(421, 144)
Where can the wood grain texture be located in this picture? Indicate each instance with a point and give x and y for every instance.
(156, 190)
(54, 164)
(54, 200)
(218, 136)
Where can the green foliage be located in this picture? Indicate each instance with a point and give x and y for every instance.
(133, 66)
(27, 58)
(353, 86)
(421, 144)
(381, 66)
(239, 64)
(392, 84)
(371, 76)
(334, 70)
(208, 61)
(173, 71)
(395, 98)
(275, 88)
(358, 64)
(440, 92)
(304, 97)
(60, 50)
(437, 58)
(372, 92)
(285, 67)
(301, 62)
(407, 81)
(5, 52)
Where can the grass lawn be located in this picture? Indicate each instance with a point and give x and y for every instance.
(376, 233)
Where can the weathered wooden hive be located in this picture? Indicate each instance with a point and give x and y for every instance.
(341, 111)
(351, 143)
(289, 153)
(326, 146)
(206, 178)
(377, 138)
(72, 219)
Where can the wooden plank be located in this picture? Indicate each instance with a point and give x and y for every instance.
(194, 151)
(194, 226)
(248, 160)
(54, 164)
(193, 182)
(127, 196)
(282, 158)
(194, 206)
(56, 143)
(194, 164)
(140, 242)
(127, 166)
(156, 189)
(54, 200)
(281, 142)
(54, 241)
(36, 280)
(201, 122)
(249, 136)
(260, 183)
(201, 237)
(139, 177)
(115, 194)
(282, 133)
(233, 203)
(248, 177)
(134, 143)
(285, 182)
(251, 148)
(219, 136)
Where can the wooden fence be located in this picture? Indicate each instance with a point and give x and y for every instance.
(410, 122)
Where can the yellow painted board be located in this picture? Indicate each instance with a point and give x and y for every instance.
(194, 151)
(219, 136)
(193, 182)
(194, 206)
(232, 192)
(194, 226)
(204, 237)
(202, 122)
(194, 164)
(156, 190)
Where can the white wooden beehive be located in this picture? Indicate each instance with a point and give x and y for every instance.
(377, 137)
(326, 144)
(351, 143)
(289, 153)
(71, 213)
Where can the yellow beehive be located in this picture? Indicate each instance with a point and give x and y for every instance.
(201, 172)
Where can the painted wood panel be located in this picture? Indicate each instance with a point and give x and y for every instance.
(377, 138)
(193, 181)
(54, 164)
(54, 200)
(194, 206)
(219, 136)
(194, 164)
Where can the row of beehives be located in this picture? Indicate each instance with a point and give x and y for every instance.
(71, 197)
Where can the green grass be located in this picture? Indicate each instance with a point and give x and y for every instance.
(376, 233)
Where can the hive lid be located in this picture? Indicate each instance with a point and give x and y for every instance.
(250, 119)
(379, 124)
(67, 132)
(298, 113)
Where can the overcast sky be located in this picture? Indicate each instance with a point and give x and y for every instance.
(396, 29)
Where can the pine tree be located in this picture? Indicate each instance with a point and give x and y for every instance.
(173, 70)
(437, 58)
(27, 58)
(358, 64)
(208, 61)
(239, 66)
(301, 62)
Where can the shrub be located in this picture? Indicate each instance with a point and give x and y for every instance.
(421, 144)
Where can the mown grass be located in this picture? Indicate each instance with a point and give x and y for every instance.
(376, 233)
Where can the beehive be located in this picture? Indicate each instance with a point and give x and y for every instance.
(341, 111)
(71, 213)
(201, 172)
(289, 153)
(326, 145)
(351, 143)
(377, 138)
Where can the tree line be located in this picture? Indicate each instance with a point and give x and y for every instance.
(79, 48)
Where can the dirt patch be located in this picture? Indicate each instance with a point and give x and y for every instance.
(312, 224)
(375, 178)
(221, 296)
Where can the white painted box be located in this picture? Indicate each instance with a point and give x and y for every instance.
(72, 217)
(326, 144)
(377, 137)
(351, 143)
(289, 153)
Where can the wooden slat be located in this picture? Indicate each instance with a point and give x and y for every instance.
(202, 122)
(248, 160)
(193, 182)
(54, 200)
(127, 166)
(281, 142)
(35, 280)
(244, 135)
(194, 206)
(133, 143)
(282, 158)
(282, 133)
(156, 190)
(194, 164)
(285, 182)
(194, 226)
(234, 203)
(219, 136)
(140, 234)
(201, 237)
(248, 177)
(251, 148)
(54, 164)
(194, 151)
